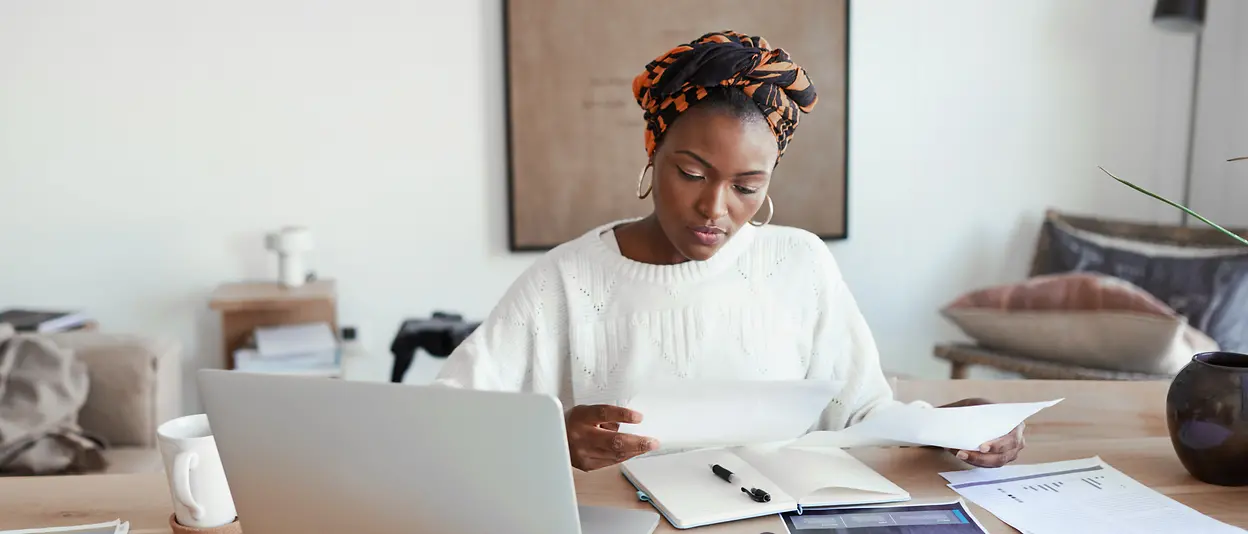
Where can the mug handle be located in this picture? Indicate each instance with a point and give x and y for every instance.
(183, 463)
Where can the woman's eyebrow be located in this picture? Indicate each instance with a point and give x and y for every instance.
(709, 166)
(697, 157)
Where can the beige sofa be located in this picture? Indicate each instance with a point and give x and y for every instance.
(136, 384)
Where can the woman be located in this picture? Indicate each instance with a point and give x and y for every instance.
(703, 287)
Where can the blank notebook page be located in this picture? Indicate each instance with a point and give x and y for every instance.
(819, 477)
(684, 488)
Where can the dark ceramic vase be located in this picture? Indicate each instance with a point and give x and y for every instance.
(1207, 412)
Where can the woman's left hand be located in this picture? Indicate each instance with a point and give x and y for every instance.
(997, 452)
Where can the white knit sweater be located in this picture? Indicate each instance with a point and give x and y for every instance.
(589, 325)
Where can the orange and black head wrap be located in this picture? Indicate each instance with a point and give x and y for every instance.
(678, 79)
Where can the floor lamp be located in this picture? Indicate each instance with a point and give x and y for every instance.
(1185, 16)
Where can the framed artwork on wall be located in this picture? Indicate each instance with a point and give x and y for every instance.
(575, 135)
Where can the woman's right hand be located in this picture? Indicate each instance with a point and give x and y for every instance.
(594, 440)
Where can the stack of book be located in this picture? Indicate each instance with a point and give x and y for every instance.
(308, 349)
(43, 321)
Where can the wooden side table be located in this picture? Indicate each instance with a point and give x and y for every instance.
(244, 306)
(963, 355)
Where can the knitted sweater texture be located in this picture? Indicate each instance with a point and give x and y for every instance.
(590, 326)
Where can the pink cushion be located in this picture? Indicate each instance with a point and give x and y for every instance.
(1080, 319)
(1075, 291)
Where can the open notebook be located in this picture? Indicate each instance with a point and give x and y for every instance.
(683, 488)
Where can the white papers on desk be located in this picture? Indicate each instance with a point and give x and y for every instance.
(962, 427)
(295, 339)
(307, 349)
(1078, 496)
(112, 527)
(693, 414)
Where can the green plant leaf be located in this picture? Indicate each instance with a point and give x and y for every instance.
(1177, 205)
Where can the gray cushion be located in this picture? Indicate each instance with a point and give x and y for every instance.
(133, 460)
(123, 406)
(1207, 285)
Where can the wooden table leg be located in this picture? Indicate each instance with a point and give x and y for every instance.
(958, 370)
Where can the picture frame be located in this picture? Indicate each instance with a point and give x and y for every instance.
(575, 133)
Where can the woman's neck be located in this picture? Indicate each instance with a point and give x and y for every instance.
(643, 241)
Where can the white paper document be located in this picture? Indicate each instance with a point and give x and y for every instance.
(111, 527)
(1076, 497)
(729, 413)
(295, 339)
(962, 427)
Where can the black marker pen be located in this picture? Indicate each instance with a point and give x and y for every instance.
(756, 494)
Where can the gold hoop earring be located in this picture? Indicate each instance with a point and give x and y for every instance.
(771, 212)
(642, 178)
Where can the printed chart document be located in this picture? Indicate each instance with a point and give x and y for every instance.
(1076, 497)
(111, 527)
(962, 427)
(937, 517)
(697, 414)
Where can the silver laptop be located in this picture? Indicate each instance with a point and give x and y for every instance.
(322, 455)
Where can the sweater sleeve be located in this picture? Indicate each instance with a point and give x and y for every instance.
(522, 343)
(845, 350)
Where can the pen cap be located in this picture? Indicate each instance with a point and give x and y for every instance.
(757, 494)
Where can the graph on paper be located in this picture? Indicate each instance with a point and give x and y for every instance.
(1076, 497)
(1020, 493)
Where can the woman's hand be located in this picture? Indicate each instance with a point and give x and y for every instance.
(594, 440)
(997, 452)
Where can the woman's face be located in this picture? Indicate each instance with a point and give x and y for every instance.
(711, 174)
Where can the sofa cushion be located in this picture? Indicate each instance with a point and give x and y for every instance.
(1207, 285)
(1082, 319)
(133, 460)
(124, 405)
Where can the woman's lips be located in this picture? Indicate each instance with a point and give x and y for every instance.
(708, 235)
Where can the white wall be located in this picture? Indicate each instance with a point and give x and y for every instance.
(1219, 188)
(145, 146)
(970, 117)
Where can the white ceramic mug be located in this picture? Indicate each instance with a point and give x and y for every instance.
(201, 497)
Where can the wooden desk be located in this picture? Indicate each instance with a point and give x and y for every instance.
(144, 499)
(1091, 409)
(1150, 461)
(1122, 422)
(244, 306)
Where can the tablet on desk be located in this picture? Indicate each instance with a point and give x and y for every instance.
(936, 518)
